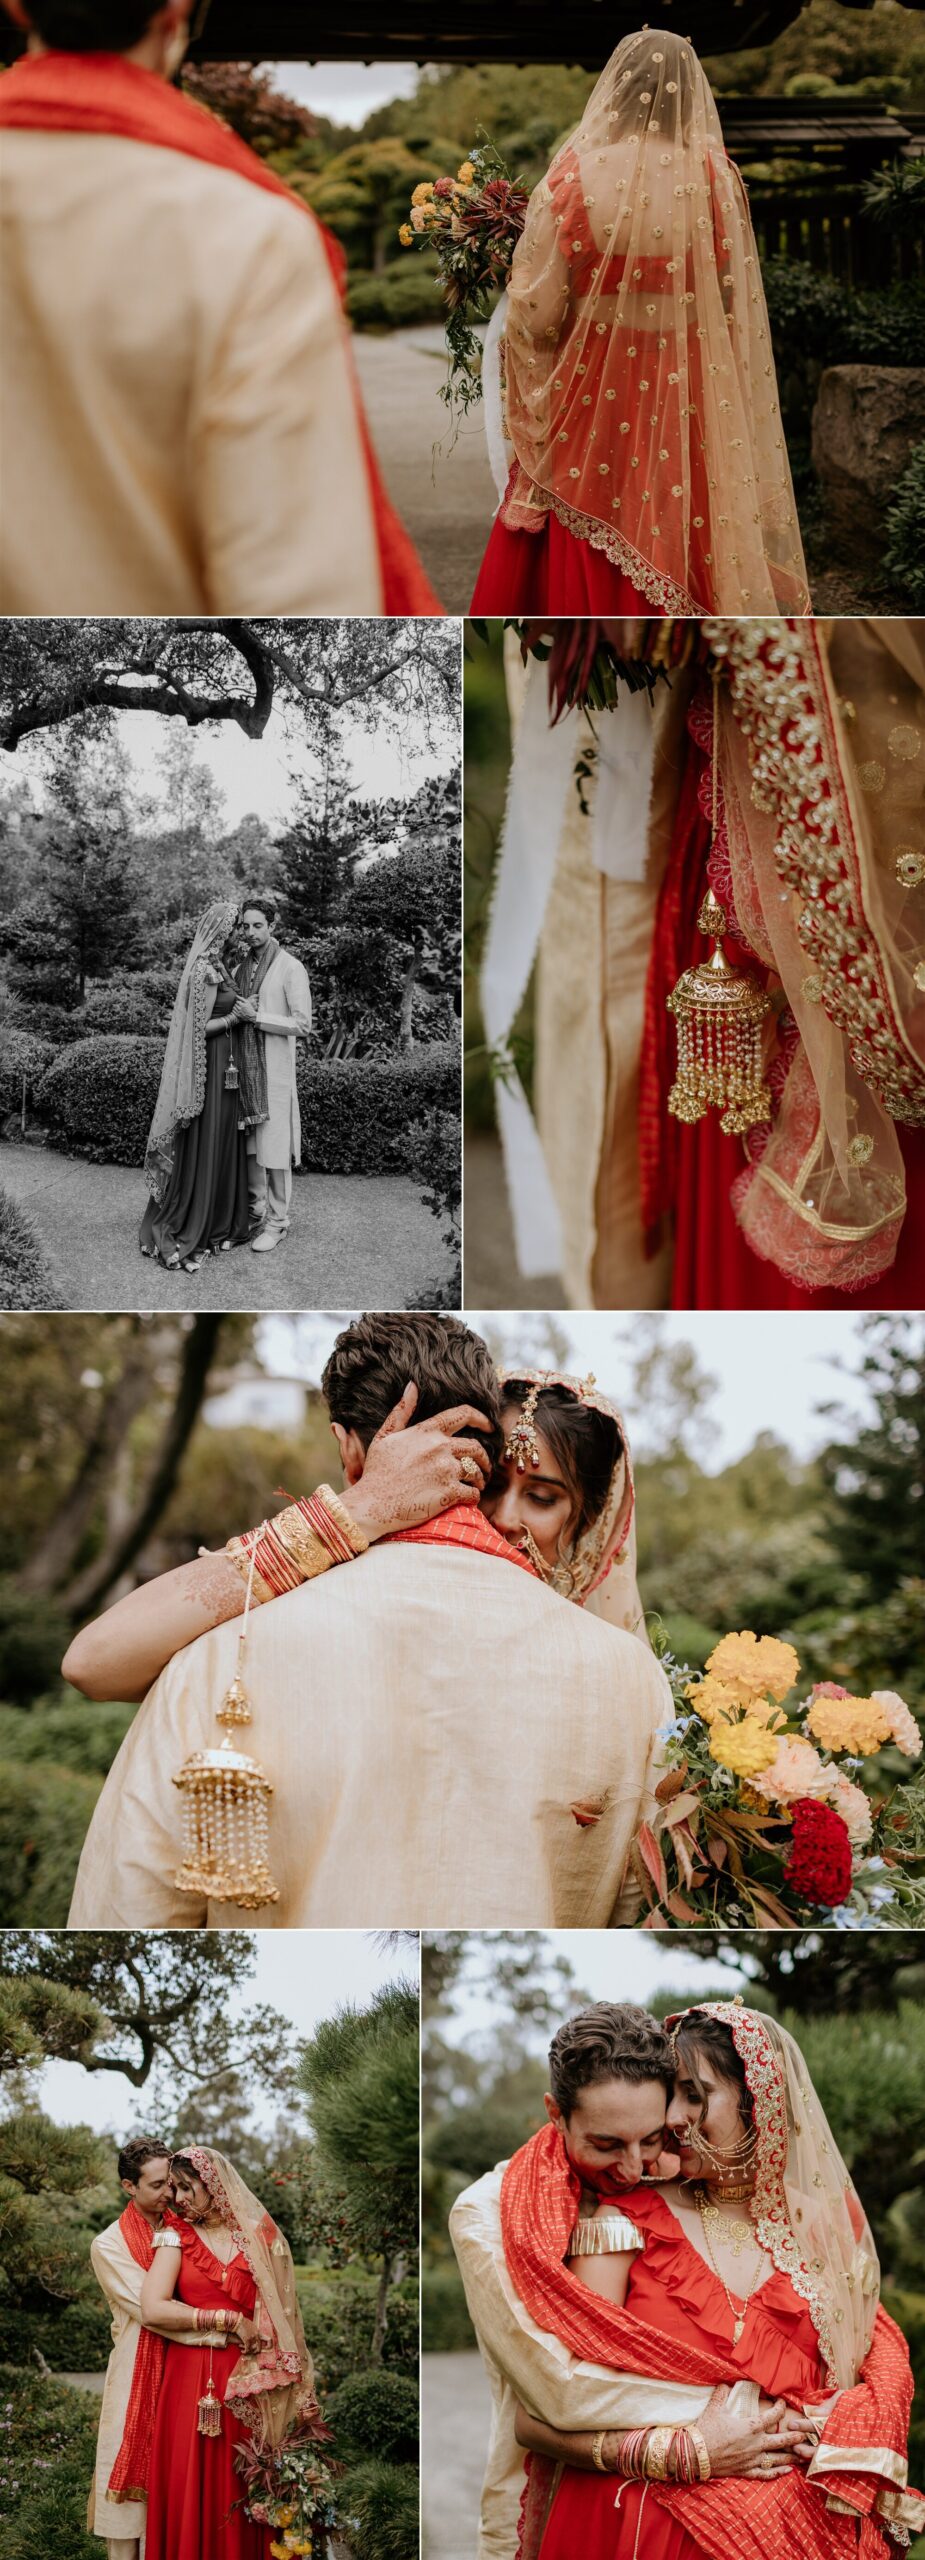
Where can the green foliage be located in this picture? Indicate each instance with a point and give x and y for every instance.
(32, 1642)
(98, 1098)
(875, 1479)
(908, 2311)
(133, 1001)
(356, 1112)
(817, 321)
(338, 2309)
(25, 1279)
(360, 2073)
(73, 2337)
(44, 1818)
(382, 2502)
(904, 558)
(82, 1735)
(375, 2414)
(401, 298)
(869, 2073)
(896, 196)
(446, 2328)
(23, 1055)
(48, 2450)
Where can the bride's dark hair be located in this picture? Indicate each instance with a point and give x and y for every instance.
(585, 1444)
(91, 26)
(712, 2039)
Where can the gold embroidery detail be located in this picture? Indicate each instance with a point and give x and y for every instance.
(871, 776)
(860, 1150)
(910, 866)
(904, 742)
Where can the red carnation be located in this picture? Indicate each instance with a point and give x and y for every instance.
(819, 1865)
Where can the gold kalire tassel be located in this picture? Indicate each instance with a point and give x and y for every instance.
(209, 2408)
(720, 1012)
(225, 1819)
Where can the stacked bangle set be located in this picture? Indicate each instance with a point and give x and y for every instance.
(656, 2453)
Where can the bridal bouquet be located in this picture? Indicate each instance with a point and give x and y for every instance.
(474, 222)
(771, 1813)
(290, 2488)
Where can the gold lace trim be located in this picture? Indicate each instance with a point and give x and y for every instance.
(769, 2204)
(657, 587)
(604, 2235)
(779, 690)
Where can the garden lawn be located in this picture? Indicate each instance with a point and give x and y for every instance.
(355, 1239)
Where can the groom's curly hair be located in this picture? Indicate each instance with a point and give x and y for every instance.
(610, 2041)
(134, 2154)
(374, 1360)
(91, 26)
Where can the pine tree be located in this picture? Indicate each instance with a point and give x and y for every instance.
(876, 1480)
(361, 2076)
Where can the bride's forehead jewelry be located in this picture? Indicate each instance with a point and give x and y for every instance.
(522, 1443)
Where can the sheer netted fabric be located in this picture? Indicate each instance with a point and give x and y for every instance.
(823, 764)
(640, 391)
(183, 1076)
(602, 1562)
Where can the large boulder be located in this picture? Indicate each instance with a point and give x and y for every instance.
(866, 420)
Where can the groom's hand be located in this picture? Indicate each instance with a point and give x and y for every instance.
(415, 1469)
(741, 2447)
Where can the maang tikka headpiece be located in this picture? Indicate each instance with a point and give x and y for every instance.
(522, 1442)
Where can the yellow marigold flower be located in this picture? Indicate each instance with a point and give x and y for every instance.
(857, 1725)
(758, 1664)
(423, 193)
(466, 174)
(745, 1748)
(710, 1697)
(406, 235)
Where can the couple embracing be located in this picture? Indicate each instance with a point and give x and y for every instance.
(226, 1129)
(677, 2295)
(209, 2360)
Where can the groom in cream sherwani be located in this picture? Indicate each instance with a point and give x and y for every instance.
(275, 995)
(144, 2175)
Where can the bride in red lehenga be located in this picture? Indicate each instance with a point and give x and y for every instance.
(640, 398)
(757, 2270)
(219, 2266)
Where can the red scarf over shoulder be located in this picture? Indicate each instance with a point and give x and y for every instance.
(787, 2518)
(104, 93)
(129, 2475)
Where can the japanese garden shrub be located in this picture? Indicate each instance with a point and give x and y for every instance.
(382, 2500)
(33, 1637)
(357, 1112)
(22, 1054)
(904, 558)
(98, 1099)
(79, 1734)
(404, 296)
(25, 1279)
(134, 1000)
(339, 2310)
(44, 1818)
(817, 321)
(75, 2338)
(48, 2448)
(445, 2323)
(377, 2414)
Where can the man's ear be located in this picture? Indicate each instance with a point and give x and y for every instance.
(554, 2112)
(352, 1452)
(126, 2186)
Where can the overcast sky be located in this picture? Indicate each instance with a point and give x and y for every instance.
(607, 1964)
(346, 91)
(771, 1370)
(306, 1973)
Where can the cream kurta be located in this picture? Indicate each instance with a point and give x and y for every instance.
(284, 1012)
(121, 2280)
(177, 422)
(428, 1715)
(529, 2364)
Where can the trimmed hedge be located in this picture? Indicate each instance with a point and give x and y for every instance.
(375, 2414)
(44, 1818)
(357, 1112)
(25, 1279)
(99, 1096)
(82, 1736)
(134, 1001)
(403, 297)
(76, 2339)
(22, 1053)
(445, 2322)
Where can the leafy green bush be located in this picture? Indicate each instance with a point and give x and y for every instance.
(80, 1734)
(44, 1817)
(133, 1000)
(75, 2339)
(904, 557)
(357, 1112)
(99, 1097)
(908, 2311)
(339, 2309)
(33, 1637)
(445, 2322)
(22, 1054)
(382, 2505)
(401, 298)
(48, 2451)
(25, 1279)
(375, 2414)
(817, 321)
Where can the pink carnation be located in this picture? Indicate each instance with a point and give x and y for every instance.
(851, 1802)
(797, 1771)
(828, 1689)
(444, 187)
(903, 1727)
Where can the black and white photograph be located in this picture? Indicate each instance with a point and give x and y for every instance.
(230, 954)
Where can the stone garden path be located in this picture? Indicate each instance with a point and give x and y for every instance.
(447, 500)
(356, 1240)
(455, 2420)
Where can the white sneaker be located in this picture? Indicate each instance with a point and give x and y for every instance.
(268, 1237)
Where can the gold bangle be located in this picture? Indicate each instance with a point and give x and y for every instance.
(355, 1536)
(657, 2449)
(700, 2448)
(597, 2449)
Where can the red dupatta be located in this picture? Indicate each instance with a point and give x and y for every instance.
(787, 2518)
(129, 2475)
(462, 1526)
(105, 93)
